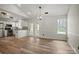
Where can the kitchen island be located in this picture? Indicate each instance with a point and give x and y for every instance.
(19, 33)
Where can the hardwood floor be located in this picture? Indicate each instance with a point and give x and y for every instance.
(31, 45)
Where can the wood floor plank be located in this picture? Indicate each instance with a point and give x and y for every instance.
(31, 45)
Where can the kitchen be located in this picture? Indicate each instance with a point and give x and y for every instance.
(10, 26)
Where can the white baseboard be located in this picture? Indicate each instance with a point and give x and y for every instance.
(53, 38)
(72, 48)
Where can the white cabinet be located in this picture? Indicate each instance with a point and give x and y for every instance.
(1, 29)
(5, 33)
(21, 33)
(1, 34)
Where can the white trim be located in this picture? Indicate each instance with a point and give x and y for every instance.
(58, 38)
(72, 48)
(76, 35)
(73, 34)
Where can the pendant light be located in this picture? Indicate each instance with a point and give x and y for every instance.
(40, 13)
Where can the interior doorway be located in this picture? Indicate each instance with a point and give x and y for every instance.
(34, 29)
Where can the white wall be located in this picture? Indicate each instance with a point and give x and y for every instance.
(73, 27)
(49, 26)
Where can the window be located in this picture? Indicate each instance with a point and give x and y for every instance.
(61, 26)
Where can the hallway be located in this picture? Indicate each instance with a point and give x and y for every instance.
(31, 45)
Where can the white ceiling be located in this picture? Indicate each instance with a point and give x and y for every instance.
(32, 10)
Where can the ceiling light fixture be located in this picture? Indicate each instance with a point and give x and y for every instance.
(40, 13)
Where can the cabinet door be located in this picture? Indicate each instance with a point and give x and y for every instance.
(1, 29)
(1, 25)
(1, 34)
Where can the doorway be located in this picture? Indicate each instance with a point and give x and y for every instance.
(34, 29)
